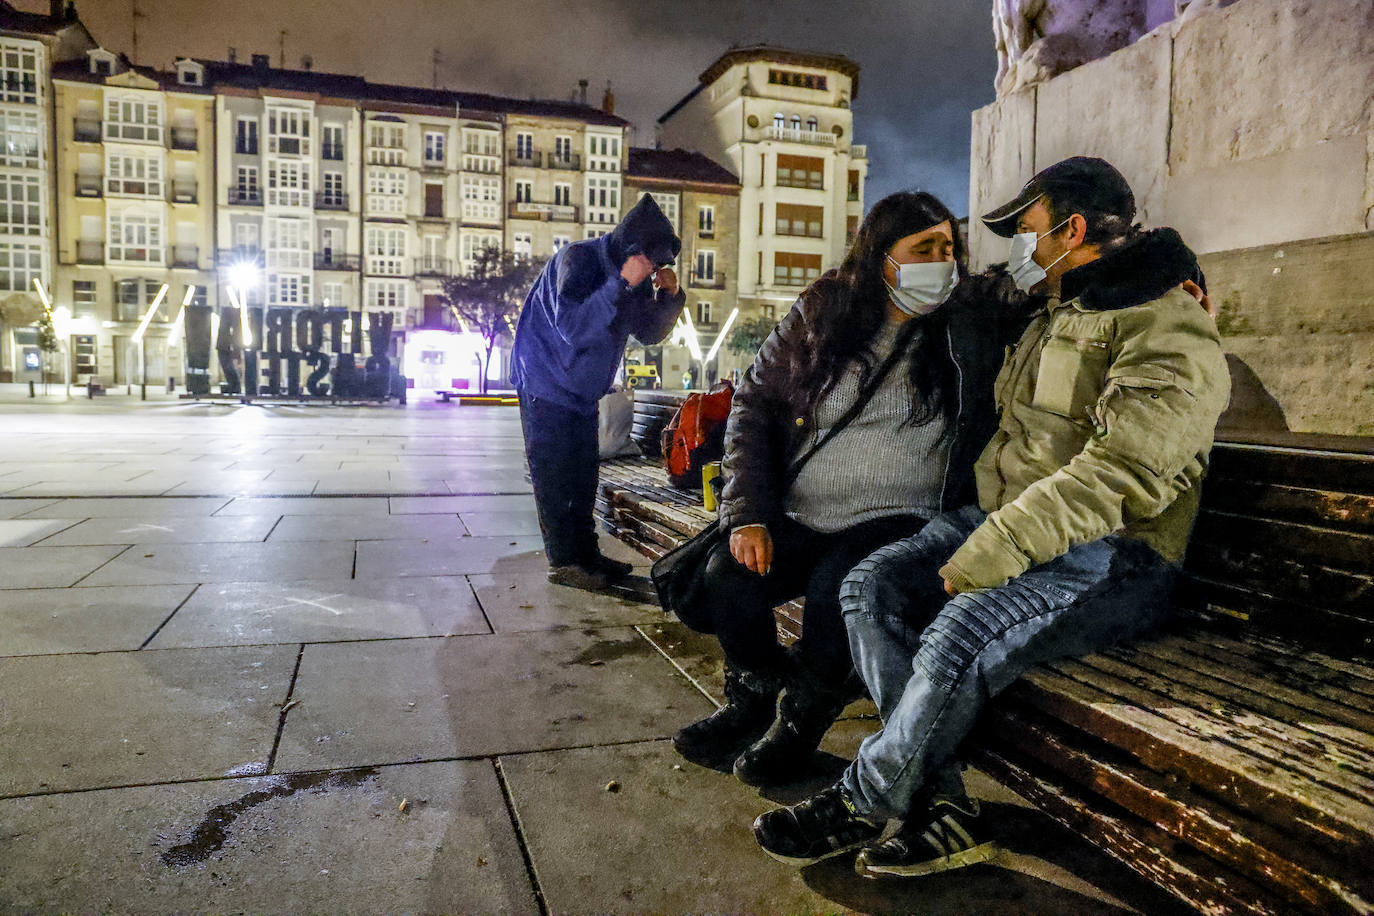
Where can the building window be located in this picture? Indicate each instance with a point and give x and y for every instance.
(603, 153)
(288, 244)
(472, 244)
(332, 142)
(768, 312)
(19, 139)
(18, 74)
(386, 251)
(332, 189)
(138, 120)
(288, 132)
(386, 190)
(524, 146)
(801, 172)
(706, 221)
(134, 176)
(795, 219)
(812, 124)
(524, 192)
(288, 289)
(434, 148)
(482, 198)
(562, 195)
(288, 183)
(562, 150)
(703, 313)
(246, 136)
(797, 80)
(522, 245)
(790, 269)
(21, 211)
(247, 237)
(779, 120)
(706, 265)
(389, 295)
(332, 295)
(796, 122)
(668, 204)
(132, 298)
(135, 237)
(603, 199)
(83, 354)
(560, 242)
(83, 298)
(20, 262)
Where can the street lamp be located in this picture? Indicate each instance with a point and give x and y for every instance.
(142, 347)
(59, 327)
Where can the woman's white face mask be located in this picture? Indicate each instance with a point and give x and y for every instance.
(923, 287)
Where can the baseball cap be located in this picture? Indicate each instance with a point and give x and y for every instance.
(1091, 183)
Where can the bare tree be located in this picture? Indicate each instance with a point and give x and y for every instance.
(490, 295)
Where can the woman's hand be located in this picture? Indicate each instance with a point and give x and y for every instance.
(752, 548)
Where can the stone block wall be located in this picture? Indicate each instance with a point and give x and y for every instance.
(1250, 129)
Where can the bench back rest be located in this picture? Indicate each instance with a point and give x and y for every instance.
(1285, 541)
(653, 410)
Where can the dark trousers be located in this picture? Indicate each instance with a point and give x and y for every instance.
(561, 446)
(805, 563)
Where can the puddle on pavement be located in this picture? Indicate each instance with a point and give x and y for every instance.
(608, 650)
(212, 832)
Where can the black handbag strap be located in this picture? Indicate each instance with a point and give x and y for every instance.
(852, 413)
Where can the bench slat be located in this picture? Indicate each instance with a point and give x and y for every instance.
(1350, 473)
(1236, 842)
(1305, 505)
(1323, 546)
(1284, 577)
(1133, 720)
(1232, 609)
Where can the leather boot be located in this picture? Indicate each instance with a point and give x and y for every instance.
(808, 708)
(750, 705)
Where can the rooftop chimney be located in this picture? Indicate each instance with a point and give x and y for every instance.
(261, 62)
(233, 54)
(608, 100)
(582, 91)
(307, 62)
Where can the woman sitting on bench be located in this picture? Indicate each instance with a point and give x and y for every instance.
(887, 362)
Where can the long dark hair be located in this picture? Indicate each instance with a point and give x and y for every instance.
(845, 328)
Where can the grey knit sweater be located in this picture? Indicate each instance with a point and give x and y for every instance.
(877, 466)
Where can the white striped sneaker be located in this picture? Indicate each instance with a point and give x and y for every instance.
(945, 837)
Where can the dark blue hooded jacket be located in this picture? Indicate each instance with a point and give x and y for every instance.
(580, 312)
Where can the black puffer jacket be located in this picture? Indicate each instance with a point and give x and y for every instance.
(771, 417)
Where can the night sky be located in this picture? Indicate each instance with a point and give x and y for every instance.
(926, 64)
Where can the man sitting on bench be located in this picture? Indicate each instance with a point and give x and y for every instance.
(1087, 493)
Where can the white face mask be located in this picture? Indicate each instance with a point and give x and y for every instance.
(1024, 271)
(921, 288)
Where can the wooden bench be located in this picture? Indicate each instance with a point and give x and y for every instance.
(1230, 758)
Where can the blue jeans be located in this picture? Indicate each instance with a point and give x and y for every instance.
(931, 662)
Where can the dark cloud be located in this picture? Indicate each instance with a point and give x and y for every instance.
(926, 64)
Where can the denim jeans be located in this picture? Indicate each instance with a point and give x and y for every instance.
(561, 446)
(931, 662)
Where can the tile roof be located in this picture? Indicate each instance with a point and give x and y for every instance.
(676, 165)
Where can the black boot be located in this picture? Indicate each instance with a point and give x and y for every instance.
(750, 704)
(808, 708)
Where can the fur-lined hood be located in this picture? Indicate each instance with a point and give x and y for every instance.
(1141, 271)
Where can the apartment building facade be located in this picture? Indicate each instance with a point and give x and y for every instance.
(782, 121)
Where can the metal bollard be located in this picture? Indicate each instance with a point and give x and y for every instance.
(31, 388)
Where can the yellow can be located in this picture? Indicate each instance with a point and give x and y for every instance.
(709, 472)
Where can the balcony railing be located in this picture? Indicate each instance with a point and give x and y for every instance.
(858, 151)
(90, 252)
(183, 138)
(797, 135)
(328, 260)
(241, 254)
(184, 192)
(86, 130)
(433, 267)
(570, 161)
(531, 159)
(88, 185)
(245, 197)
(331, 200)
(556, 213)
(185, 256)
(715, 281)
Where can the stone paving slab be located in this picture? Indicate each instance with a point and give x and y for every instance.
(650, 846)
(119, 718)
(13, 508)
(248, 613)
(456, 557)
(404, 700)
(367, 528)
(24, 532)
(294, 505)
(167, 564)
(51, 567)
(484, 524)
(444, 505)
(126, 507)
(168, 530)
(98, 488)
(522, 602)
(230, 487)
(309, 843)
(52, 620)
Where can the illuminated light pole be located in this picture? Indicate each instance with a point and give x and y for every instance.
(143, 347)
(57, 318)
(178, 331)
(720, 338)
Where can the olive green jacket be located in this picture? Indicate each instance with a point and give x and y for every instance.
(1106, 408)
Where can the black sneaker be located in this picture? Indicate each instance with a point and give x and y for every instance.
(946, 836)
(577, 576)
(612, 569)
(824, 825)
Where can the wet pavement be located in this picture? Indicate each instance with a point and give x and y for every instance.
(289, 659)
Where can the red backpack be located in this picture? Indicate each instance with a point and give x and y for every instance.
(696, 435)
